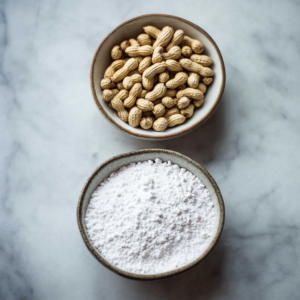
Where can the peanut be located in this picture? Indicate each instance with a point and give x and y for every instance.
(179, 79)
(155, 78)
(159, 110)
(143, 93)
(155, 69)
(173, 53)
(144, 105)
(130, 65)
(144, 64)
(175, 120)
(202, 87)
(116, 102)
(186, 51)
(169, 102)
(196, 46)
(188, 111)
(190, 93)
(144, 39)
(198, 103)
(129, 81)
(116, 65)
(147, 83)
(123, 115)
(157, 55)
(183, 102)
(193, 80)
(164, 37)
(120, 86)
(107, 83)
(134, 43)
(147, 122)
(109, 94)
(116, 52)
(181, 87)
(160, 124)
(158, 92)
(177, 39)
(139, 51)
(194, 67)
(133, 94)
(203, 60)
(125, 44)
(164, 76)
(170, 93)
(207, 80)
(173, 65)
(134, 117)
(152, 31)
(172, 111)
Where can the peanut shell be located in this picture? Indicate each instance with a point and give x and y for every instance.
(134, 117)
(164, 37)
(188, 111)
(194, 67)
(144, 39)
(152, 31)
(175, 120)
(147, 122)
(116, 52)
(179, 79)
(207, 80)
(133, 51)
(158, 92)
(203, 60)
(160, 124)
(144, 105)
(159, 110)
(176, 40)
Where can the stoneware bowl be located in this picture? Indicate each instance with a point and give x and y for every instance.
(131, 29)
(118, 161)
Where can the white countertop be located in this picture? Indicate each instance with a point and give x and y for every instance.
(53, 136)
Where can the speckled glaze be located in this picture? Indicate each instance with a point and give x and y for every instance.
(114, 164)
(132, 28)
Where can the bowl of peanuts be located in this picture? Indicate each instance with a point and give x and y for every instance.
(157, 76)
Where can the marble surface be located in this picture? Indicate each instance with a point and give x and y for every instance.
(52, 137)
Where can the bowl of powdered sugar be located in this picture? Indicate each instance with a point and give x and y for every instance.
(150, 214)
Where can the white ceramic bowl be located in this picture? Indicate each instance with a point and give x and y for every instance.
(132, 28)
(117, 162)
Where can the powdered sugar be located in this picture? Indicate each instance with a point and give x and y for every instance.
(151, 217)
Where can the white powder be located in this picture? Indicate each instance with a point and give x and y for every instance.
(151, 217)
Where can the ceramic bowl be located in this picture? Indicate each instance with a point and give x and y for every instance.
(114, 164)
(131, 29)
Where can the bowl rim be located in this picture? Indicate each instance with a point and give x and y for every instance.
(162, 134)
(162, 275)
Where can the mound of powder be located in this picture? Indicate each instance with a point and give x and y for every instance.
(151, 217)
